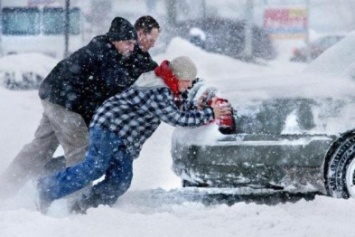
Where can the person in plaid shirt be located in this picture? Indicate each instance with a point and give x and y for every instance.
(119, 129)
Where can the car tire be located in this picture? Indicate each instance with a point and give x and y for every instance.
(340, 167)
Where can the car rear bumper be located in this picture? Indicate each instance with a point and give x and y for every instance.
(289, 162)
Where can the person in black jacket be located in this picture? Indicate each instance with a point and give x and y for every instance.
(70, 95)
(140, 61)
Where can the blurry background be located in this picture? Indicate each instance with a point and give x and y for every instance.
(245, 29)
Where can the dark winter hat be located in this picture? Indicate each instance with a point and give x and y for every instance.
(121, 29)
(183, 68)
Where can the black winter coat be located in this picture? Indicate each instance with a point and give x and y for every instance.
(139, 62)
(88, 77)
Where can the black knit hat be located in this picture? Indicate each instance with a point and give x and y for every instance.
(121, 29)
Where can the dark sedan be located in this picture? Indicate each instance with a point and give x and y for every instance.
(293, 132)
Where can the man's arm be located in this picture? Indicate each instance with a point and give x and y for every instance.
(139, 62)
(117, 80)
(163, 106)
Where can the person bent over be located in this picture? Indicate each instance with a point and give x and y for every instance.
(120, 127)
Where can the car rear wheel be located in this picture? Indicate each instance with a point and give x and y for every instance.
(339, 178)
(350, 178)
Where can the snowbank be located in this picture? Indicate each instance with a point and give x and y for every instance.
(25, 71)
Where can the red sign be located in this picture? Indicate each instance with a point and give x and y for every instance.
(285, 20)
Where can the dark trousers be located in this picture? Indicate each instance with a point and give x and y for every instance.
(106, 156)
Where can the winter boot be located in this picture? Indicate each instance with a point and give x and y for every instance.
(43, 201)
(85, 202)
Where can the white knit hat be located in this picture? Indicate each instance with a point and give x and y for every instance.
(183, 68)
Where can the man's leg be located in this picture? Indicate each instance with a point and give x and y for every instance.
(71, 132)
(31, 159)
(103, 144)
(118, 178)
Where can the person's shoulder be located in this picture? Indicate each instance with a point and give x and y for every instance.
(100, 38)
(145, 57)
(101, 47)
(100, 41)
(139, 52)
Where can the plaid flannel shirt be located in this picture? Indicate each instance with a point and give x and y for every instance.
(136, 113)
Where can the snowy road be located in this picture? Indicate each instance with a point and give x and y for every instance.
(155, 206)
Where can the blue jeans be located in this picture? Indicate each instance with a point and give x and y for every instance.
(106, 156)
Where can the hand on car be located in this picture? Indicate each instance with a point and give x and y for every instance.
(220, 109)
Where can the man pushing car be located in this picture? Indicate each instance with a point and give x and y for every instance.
(120, 127)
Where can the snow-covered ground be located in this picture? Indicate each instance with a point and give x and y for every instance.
(155, 204)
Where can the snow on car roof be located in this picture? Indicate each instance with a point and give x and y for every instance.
(328, 76)
(337, 60)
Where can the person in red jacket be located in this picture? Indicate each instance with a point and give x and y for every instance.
(121, 126)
